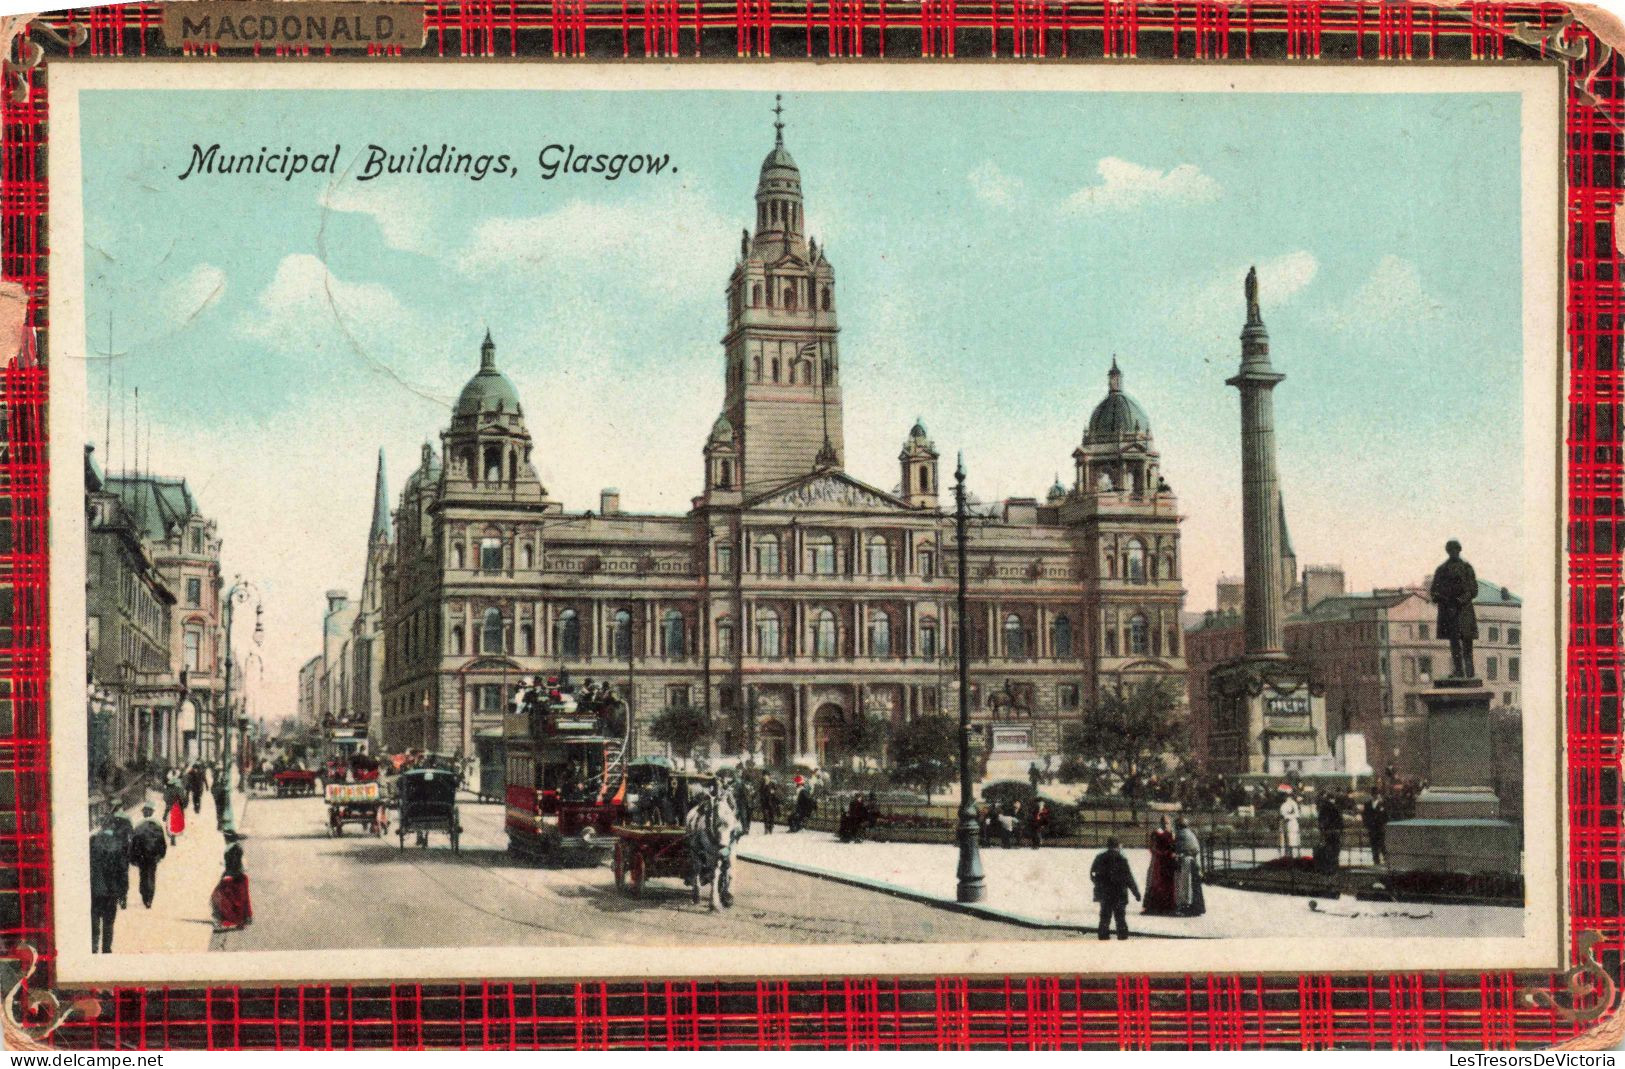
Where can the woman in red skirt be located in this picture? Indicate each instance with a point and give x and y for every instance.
(177, 818)
(230, 902)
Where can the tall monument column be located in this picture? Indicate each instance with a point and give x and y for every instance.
(1269, 710)
(1260, 489)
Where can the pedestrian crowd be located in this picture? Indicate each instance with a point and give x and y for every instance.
(119, 845)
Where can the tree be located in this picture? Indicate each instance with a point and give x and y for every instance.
(863, 737)
(925, 754)
(1126, 732)
(682, 727)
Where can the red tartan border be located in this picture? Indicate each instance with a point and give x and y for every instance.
(1407, 1011)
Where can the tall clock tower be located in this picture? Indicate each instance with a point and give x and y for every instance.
(783, 369)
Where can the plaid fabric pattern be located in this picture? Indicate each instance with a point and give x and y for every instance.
(1409, 1011)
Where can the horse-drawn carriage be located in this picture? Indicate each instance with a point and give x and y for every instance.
(427, 798)
(699, 848)
(356, 803)
(294, 782)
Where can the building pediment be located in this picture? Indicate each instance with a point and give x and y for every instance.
(828, 490)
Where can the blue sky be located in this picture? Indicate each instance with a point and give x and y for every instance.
(992, 252)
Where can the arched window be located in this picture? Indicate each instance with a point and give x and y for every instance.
(1168, 567)
(824, 634)
(456, 648)
(491, 632)
(790, 297)
(193, 649)
(1015, 639)
(527, 640)
(567, 634)
(1139, 635)
(821, 554)
(527, 556)
(826, 298)
(756, 295)
(928, 639)
(880, 635)
(622, 634)
(756, 369)
(879, 556)
(775, 369)
(927, 556)
(766, 548)
(1061, 636)
(457, 555)
(725, 636)
(767, 633)
(725, 475)
(671, 634)
(493, 464)
(1134, 561)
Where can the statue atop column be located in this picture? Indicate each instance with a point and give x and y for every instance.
(1454, 588)
(1251, 289)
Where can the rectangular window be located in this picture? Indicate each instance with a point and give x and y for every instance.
(928, 700)
(725, 558)
(194, 592)
(1424, 668)
(197, 540)
(490, 695)
(1422, 632)
(1495, 633)
(676, 695)
(194, 646)
(928, 563)
(1067, 695)
(1407, 669)
(1492, 668)
(490, 554)
(1513, 634)
(1512, 669)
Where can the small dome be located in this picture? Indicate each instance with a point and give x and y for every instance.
(779, 160)
(489, 390)
(1056, 491)
(1119, 415)
(917, 433)
(722, 430)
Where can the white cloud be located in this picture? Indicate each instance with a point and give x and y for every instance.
(1393, 290)
(397, 214)
(1125, 186)
(658, 246)
(1280, 279)
(993, 186)
(202, 287)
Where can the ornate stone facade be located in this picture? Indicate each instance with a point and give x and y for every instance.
(791, 595)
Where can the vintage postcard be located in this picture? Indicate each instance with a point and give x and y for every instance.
(699, 519)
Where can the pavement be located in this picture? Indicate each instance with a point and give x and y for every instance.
(180, 920)
(314, 892)
(1049, 889)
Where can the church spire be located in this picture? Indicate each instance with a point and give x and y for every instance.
(380, 505)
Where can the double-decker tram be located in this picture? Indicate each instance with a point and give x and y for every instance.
(565, 753)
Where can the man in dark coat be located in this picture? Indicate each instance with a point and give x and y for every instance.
(742, 803)
(109, 885)
(1374, 816)
(767, 799)
(1330, 818)
(148, 846)
(1454, 587)
(804, 807)
(219, 789)
(195, 782)
(1114, 882)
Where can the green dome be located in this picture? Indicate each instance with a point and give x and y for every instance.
(722, 430)
(489, 390)
(1119, 415)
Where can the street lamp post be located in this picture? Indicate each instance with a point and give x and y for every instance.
(972, 887)
(239, 592)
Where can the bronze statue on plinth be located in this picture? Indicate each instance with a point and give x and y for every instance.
(1454, 588)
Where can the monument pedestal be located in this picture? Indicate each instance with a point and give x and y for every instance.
(1457, 827)
(1278, 708)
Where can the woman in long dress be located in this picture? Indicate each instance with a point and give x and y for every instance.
(1159, 879)
(177, 815)
(230, 902)
(1188, 899)
(1290, 838)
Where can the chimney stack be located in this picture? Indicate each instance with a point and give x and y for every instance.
(609, 501)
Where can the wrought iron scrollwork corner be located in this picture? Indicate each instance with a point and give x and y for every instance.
(1571, 52)
(32, 1018)
(1589, 987)
(29, 30)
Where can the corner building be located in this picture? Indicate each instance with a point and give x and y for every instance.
(792, 595)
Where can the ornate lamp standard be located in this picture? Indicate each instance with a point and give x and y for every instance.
(241, 590)
(972, 888)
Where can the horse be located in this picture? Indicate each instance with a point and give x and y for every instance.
(712, 828)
